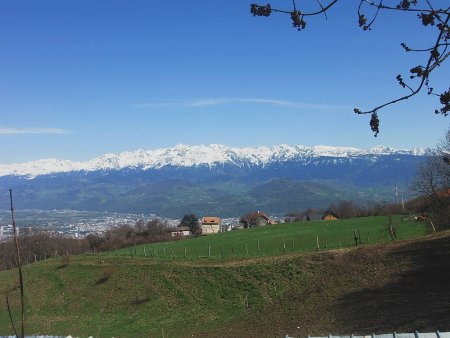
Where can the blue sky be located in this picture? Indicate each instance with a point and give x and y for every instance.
(79, 78)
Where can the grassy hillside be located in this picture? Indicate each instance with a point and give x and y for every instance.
(280, 238)
(400, 286)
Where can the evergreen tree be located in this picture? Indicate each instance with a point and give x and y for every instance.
(191, 221)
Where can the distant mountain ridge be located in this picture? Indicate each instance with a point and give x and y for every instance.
(214, 180)
(185, 156)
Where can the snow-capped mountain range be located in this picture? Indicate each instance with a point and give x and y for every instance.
(214, 179)
(186, 156)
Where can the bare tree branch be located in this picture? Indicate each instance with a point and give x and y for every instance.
(426, 73)
(429, 16)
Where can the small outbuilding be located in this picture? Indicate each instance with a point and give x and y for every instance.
(329, 216)
(321, 216)
(180, 231)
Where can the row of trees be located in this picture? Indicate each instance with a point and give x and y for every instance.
(35, 247)
(143, 232)
(40, 246)
(349, 209)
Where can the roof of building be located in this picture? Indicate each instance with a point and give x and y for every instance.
(177, 229)
(258, 214)
(330, 213)
(211, 220)
(318, 216)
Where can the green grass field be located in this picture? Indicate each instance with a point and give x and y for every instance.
(279, 239)
(116, 295)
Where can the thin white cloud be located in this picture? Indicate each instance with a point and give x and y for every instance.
(224, 101)
(25, 131)
(159, 104)
(284, 103)
(207, 102)
(186, 103)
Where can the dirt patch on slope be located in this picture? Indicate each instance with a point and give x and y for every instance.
(416, 297)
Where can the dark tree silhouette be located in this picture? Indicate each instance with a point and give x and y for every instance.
(191, 221)
(435, 53)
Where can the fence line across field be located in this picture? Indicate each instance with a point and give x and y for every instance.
(219, 251)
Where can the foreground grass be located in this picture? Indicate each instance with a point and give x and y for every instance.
(296, 293)
(280, 238)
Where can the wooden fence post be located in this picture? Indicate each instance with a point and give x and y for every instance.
(284, 246)
(432, 225)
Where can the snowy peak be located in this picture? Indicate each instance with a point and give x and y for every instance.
(191, 156)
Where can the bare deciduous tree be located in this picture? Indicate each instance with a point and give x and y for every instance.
(433, 182)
